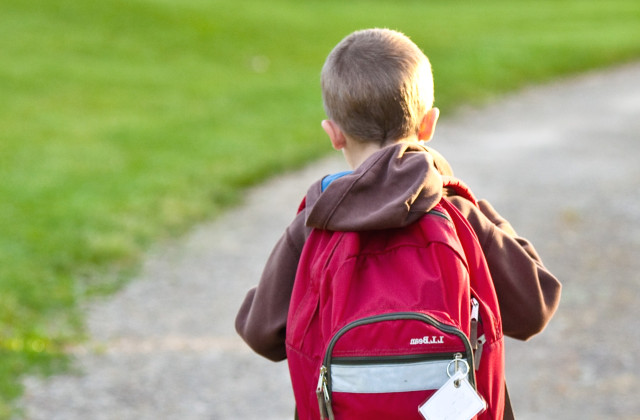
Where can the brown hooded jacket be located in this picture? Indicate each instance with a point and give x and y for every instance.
(393, 188)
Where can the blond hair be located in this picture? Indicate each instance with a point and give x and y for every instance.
(377, 85)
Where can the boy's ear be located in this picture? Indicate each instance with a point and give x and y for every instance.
(338, 140)
(428, 124)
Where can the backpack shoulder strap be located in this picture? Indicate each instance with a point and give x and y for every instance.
(459, 187)
(303, 204)
(462, 190)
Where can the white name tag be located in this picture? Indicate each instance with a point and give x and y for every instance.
(456, 400)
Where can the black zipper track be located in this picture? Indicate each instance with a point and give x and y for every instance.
(399, 359)
(439, 213)
(396, 316)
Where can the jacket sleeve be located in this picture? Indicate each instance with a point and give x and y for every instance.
(262, 318)
(528, 294)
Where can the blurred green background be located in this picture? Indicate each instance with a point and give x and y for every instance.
(123, 123)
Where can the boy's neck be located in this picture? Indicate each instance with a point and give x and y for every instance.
(355, 153)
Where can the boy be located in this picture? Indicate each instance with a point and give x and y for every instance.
(377, 90)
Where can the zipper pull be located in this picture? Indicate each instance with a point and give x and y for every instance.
(478, 353)
(456, 366)
(475, 316)
(322, 393)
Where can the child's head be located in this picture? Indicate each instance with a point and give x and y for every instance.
(377, 86)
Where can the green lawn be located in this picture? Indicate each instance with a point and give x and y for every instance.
(123, 123)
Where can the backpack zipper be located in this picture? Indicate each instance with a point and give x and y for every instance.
(395, 359)
(322, 393)
(439, 213)
(475, 317)
(477, 343)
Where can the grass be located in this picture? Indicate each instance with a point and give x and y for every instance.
(125, 122)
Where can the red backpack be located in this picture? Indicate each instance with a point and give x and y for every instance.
(380, 320)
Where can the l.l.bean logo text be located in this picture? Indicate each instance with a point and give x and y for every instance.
(427, 340)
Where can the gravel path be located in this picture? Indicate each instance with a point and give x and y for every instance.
(559, 161)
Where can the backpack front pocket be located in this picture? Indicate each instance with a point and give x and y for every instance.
(385, 366)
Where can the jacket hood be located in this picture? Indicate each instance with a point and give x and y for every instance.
(393, 188)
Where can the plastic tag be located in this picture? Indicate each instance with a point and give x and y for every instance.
(456, 400)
